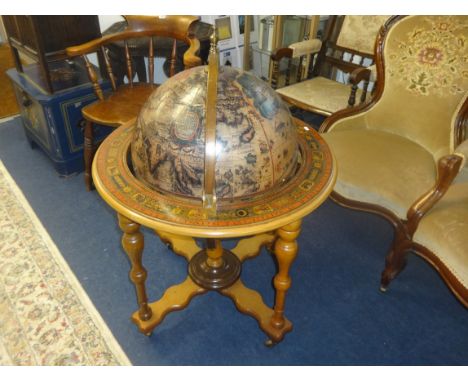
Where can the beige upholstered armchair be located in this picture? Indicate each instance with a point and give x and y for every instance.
(397, 156)
(348, 46)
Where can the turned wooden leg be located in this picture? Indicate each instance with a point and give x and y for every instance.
(133, 244)
(285, 251)
(88, 154)
(396, 258)
(352, 96)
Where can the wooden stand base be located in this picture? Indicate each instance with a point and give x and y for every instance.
(211, 277)
(247, 301)
(271, 220)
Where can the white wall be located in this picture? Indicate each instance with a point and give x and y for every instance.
(105, 21)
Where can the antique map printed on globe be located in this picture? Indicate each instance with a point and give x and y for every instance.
(256, 143)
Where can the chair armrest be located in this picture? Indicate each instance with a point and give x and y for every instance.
(85, 48)
(302, 48)
(190, 56)
(356, 76)
(360, 74)
(447, 169)
(281, 53)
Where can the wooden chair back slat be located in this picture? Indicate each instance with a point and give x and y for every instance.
(109, 68)
(302, 60)
(301, 73)
(364, 91)
(175, 27)
(128, 61)
(344, 66)
(332, 53)
(288, 75)
(151, 61)
(339, 58)
(274, 75)
(173, 58)
(141, 26)
(93, 78)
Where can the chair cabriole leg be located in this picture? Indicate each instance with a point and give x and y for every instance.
(395, 261)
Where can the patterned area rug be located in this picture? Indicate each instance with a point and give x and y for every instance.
(46, 318)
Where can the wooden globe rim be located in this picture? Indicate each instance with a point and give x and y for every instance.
(103, 176)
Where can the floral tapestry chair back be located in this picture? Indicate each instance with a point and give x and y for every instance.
(426, 81)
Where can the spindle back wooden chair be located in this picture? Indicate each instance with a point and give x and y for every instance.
(124, 101)
(348, 46)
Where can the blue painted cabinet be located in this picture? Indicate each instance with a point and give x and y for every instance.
(54, 121)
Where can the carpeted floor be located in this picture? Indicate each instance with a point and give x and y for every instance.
(339, 315)
(8, 105)
(45, 317)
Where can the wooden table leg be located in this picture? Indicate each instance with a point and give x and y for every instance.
(133, 244)
(285, 251)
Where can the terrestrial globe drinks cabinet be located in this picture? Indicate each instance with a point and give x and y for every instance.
(214, 154)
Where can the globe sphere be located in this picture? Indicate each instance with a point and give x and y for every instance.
(256, 142)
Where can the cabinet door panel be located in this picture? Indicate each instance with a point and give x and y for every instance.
(74, 122)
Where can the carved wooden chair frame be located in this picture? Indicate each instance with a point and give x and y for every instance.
(176, 27)
(329, 53)
(448, 167)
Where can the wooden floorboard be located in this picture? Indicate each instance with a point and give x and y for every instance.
(8, 105)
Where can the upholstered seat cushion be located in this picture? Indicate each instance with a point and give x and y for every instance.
(381, 168)
(319, 95)
(119, 107)
(444, 231)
